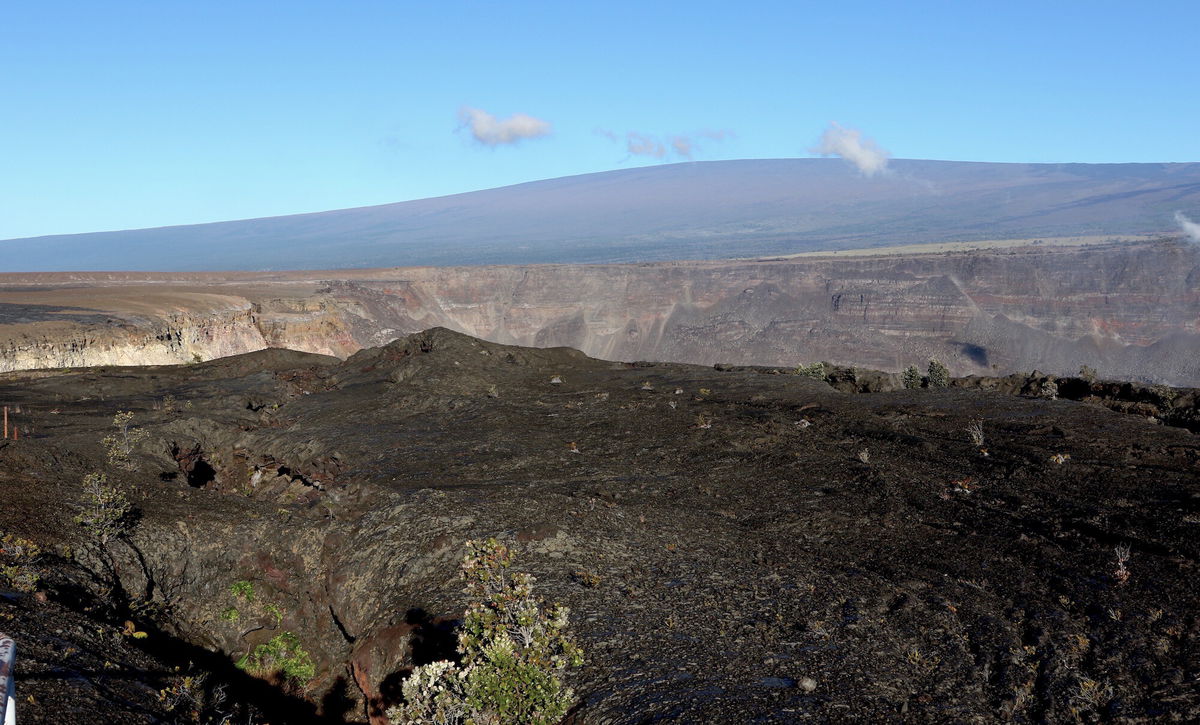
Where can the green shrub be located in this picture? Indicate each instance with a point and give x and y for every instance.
(120, 447)
(1165, 394)
(17, 563)
(281, 656)
(1088, 373)
(105, 512)
(1048, 389)
(816, 371)
(276, 613)
(242, 590)
(911, 377)
(939, 374)
(512, 650)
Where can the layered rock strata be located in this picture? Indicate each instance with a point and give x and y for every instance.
(1128, 311)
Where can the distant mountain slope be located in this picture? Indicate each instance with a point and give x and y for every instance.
(714, 209)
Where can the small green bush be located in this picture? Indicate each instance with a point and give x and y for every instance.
(939, 374)
(17, 563)
(105, 512)
(816, 371)
(120, 447)
(911, 377)
(512, 651)
(281, 656)
(1165, 394)
(242, 590)
(1048, 389)
(276, 613)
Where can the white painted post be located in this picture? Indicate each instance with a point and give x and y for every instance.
(8, 703)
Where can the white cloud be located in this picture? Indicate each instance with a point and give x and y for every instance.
(851, 145)
(640, 144)
(681, 145)
(1189, 227)
(491, 131)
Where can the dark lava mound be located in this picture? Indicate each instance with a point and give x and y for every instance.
(734, 546)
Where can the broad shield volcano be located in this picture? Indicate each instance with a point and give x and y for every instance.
(702, 210)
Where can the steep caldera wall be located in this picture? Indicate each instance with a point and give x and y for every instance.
(160, 325)
(1129, 311)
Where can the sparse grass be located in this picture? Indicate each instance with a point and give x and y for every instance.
(1091, 694)
(1121, 572)
(975, 432)
(18, 563)
(586, 578)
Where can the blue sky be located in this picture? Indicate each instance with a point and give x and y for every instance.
(120, 115)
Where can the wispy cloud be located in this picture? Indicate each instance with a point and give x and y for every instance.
(851, 145)
(640, 144)
(1189, 227)
(491, 131)
(683, 146)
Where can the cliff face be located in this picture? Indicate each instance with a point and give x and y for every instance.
(1129, 311)
(133, 326)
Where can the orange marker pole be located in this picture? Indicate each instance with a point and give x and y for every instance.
(6, 422)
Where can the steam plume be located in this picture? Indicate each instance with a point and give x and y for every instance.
(851, 145)
(491, 131)
(1189, 227)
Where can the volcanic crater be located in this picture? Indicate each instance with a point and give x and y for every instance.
(736, 544)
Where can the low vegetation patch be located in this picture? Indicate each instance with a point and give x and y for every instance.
(911, 377)
(816, 371)
(939, 374)
(18, 563)
(512, 650)
(283, 657)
